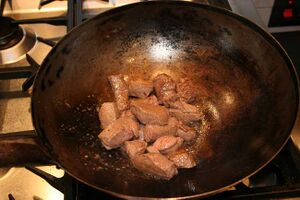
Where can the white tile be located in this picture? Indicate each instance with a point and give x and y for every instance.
(264, 14)
(263, 3)
(247, 9)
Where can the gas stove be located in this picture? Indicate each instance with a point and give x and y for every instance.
(30, 30)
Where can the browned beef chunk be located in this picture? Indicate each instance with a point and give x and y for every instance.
(120, 90)
(152, 149)
(149, 100)
(128, 113)
(183, 116)
(182, 159)
(165, 89)
(140, 88)
(149, 114)
(152, 100)
(141, 133)
(155, 164)
(121, 130)
(185, 107)
(184, 112)
(152, 132)
(108, 113)
(168, 143)
(186, 90)
(186, 132)
(135, 147)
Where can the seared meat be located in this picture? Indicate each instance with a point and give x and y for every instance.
(152, 149)
(152, 100)
(185, 132)
(155, 164)
(160, 119)
(165, 89)
(108, 113)
(185, 107)
(128, 113)
(120, 90)
(135, 147)
(184, 117)
(186, 90)
(149, 100)
(121, 130)
(184, 112)
(182, 159)
(149, 114)
(141, 132)
(140, 88)
(168, 143)
(152, 132)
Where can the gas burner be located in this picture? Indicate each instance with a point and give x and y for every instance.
(10, 33)
(15, 41)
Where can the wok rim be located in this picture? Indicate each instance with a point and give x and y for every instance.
(247, 22)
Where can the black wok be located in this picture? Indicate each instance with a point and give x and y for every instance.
(249, 87)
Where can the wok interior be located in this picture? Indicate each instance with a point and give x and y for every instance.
(249, 103)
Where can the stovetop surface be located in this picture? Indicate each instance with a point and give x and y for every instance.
(280, 179)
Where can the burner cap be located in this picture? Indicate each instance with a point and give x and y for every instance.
(19, 44)
(10, 33)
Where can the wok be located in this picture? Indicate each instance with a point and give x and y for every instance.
(248, 84)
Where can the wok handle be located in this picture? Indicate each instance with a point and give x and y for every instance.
(20, 148)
